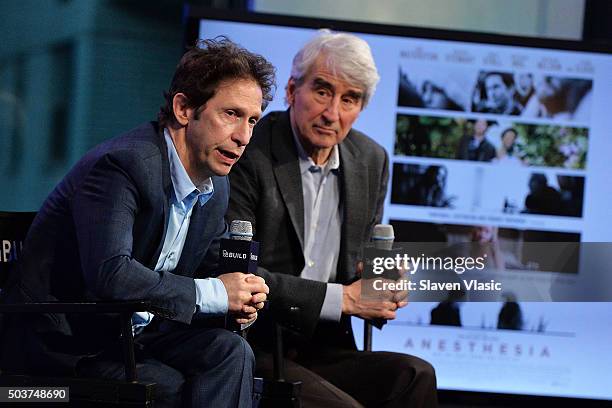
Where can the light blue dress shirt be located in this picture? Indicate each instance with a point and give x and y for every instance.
(211, 296)
(322, 226)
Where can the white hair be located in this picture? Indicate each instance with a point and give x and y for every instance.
(346, 56)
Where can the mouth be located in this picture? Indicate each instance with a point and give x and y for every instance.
(228, 156)
(325, 130)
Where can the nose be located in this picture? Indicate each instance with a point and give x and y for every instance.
(332, 110)
(242, 133)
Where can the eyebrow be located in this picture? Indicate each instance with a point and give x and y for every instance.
(320, 82)
(354, 94)
(242, 113)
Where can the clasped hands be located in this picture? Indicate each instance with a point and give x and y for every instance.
(246, 294)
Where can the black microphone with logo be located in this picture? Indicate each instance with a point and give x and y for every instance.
(239, 253)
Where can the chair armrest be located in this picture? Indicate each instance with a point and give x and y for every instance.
(123, 306)
(124, 309)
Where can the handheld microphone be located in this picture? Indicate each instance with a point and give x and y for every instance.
(239, 253)
(383, 237)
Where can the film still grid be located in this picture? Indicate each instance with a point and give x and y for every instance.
(510, 247)
(501, 142)
(524, 94)
(491, 190)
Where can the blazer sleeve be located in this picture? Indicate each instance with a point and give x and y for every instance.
(104, 208)
(381, 193)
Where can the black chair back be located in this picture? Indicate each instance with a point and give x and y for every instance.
(92, 392)
(14, 227)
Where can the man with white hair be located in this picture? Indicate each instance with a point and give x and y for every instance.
(314, 188)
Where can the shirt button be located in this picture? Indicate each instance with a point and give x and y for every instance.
(171, 255)
(310, 264)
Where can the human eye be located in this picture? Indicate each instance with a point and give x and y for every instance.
(349, 100)
(230, 116)
(322, 93)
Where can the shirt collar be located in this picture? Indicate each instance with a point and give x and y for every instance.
(306, 163)
(181, 182)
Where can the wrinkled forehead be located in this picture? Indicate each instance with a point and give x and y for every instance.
(329, 68)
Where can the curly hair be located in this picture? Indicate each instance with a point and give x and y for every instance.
(210, 62)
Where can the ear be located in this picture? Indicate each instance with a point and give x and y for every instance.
(181, 109)
(290, 91)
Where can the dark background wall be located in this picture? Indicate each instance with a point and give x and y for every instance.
(73, 73)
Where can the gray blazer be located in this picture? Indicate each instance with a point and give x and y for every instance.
(266, 189)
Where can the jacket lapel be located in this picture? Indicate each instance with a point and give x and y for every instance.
(192, 247)
(167, 189)
(287, 174)
(201, 232)
(353, 176)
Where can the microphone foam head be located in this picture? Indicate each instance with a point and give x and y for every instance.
(383, 237)
(383, 232)
(241, 230)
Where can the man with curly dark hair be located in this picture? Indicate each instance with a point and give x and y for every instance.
(140, 217)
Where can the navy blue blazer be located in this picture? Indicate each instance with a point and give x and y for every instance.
(98, 236)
